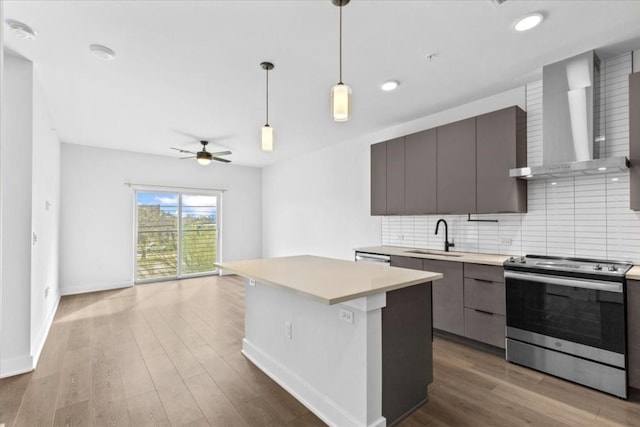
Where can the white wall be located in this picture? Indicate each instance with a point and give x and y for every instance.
(45, 221)
(30, 174)
(15, 232)
(319, 203)
(97, 229)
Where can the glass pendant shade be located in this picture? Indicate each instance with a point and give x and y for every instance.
(204, 161)
(267, 138)
(341, 102)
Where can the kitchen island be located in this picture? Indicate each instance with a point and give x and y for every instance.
(351, 341)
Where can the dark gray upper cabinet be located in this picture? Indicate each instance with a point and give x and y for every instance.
(395, 176)
(420, 190)
(379, 179)
(456, 156)
(501, 144)
(634, 139)
(460, 168)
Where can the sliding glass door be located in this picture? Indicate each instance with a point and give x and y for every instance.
(177, 235)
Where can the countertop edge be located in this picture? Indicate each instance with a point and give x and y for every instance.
(468, 257)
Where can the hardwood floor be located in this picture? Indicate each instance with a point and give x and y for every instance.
(168, 354)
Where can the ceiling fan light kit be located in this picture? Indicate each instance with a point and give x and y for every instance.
(267, 131)
(203, 157)
(341, 93)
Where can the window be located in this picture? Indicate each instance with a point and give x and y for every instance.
(177, 235)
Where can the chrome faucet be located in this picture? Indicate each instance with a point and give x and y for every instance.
(447, 245)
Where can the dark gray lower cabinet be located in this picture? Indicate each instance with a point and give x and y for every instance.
(633, 332)
(406, 262)
(470, 299)
(484, 304)
(407, 356)
(448, 314)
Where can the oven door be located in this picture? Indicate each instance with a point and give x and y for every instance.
(583, 311)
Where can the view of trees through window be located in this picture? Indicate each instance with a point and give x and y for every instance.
(176, 234)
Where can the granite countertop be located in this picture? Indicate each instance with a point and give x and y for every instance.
(328, 280)
(475, 258)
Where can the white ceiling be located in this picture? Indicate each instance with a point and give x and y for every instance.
(192, 67)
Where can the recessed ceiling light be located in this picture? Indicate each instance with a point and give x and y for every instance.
(602, 168)
(528, 22)
(614, 179)
(21, 30)
(554, 183)
(390, 85)
(102, 52)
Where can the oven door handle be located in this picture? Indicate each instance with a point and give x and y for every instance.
(562, 281)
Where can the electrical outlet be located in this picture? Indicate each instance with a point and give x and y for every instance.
(46, 292)
(288, 330)
(252, 282)
(505, 242)
(346, 315)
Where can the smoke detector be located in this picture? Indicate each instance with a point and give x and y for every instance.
(21, 30)
(102, 52)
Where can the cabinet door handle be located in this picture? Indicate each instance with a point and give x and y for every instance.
(483, 312)
(483, 280)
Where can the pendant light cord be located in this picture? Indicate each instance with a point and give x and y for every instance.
(267, 123)
(340, 82)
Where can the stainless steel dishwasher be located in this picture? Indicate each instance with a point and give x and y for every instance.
(369, 257)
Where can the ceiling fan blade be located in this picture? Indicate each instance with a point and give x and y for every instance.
(221, 153)
(190, 157)
(222, 160)
(182, 151)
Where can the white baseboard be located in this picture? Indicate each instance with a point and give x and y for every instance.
(96, 287)
(321, 405)
(16, 366)
(38, 344)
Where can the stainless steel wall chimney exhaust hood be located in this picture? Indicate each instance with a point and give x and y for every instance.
(570, 97)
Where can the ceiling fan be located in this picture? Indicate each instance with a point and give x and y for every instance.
(204, 157)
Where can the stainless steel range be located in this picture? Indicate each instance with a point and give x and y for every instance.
(567, 317)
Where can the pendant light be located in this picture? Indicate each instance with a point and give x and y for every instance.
(341, 93)
(267, 131)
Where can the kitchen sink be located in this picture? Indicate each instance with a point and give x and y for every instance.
(423, 252)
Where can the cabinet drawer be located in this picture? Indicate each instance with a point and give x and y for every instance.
(494, 273)
(484, 327)
(486, 296)
(406, 262)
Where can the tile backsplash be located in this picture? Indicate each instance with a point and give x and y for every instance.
(584, 216)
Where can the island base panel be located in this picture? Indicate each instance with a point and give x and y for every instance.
(407, 357)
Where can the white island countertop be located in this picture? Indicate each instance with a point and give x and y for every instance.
(328, 280)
